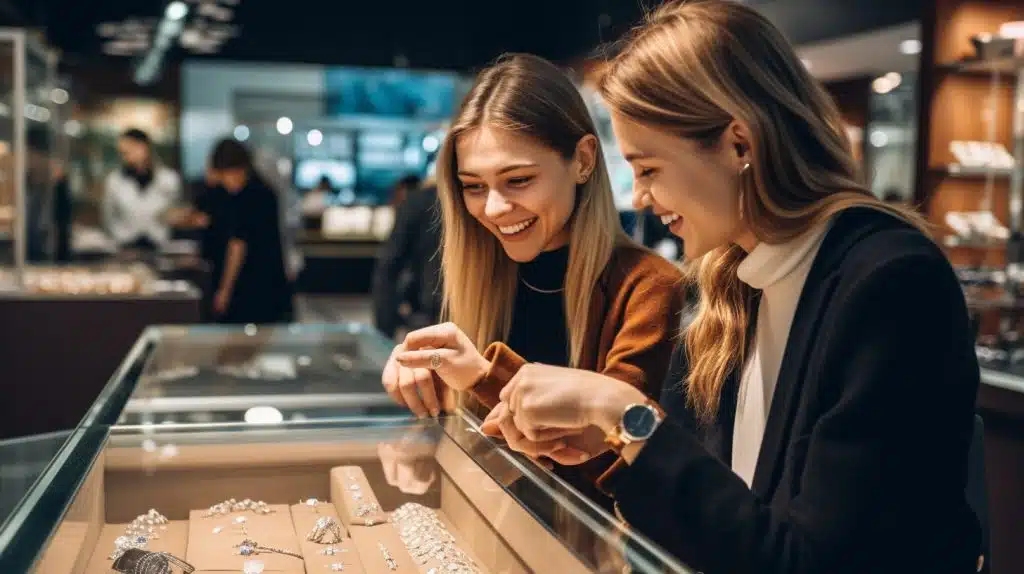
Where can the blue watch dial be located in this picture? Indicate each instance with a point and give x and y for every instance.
(639, 422)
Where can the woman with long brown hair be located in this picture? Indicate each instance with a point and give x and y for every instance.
(536, 266)
(819, 411)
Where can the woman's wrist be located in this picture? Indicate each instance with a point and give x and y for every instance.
(607, 407)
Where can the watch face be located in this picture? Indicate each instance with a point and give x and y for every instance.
(639, 422)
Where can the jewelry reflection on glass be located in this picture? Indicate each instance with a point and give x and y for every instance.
(325, 531)
(336, 567)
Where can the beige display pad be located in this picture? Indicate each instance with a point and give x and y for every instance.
(342, 479)
(172, 541)
(304, 519)
(209, 551)
(299, 571)
(366, 539)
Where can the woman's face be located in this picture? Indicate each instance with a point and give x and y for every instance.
(694, 190)
(133, 153)
(520, 190)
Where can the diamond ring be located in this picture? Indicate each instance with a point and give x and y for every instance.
(435, 360)
(325, 531)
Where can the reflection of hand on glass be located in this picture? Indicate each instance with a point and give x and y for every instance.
(409, 463)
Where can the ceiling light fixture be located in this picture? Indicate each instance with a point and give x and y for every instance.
(1013, 30)
(176, 10)
(882, 85)
(284, 126)
(315, 137)
(59, 96)
(910, 47)
(241, 133)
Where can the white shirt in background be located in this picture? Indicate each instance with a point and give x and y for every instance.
(779, 272)
(130, 214)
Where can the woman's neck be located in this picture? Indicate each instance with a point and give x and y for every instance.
(547, 270)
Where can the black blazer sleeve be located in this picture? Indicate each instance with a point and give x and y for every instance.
(895, 386)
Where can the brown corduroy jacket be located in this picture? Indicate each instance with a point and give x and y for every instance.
(634, 317)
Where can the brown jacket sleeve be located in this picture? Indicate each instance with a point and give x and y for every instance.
(642, 348)
(649, 302)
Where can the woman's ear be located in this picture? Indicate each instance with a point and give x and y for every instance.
(585, 157)
(737, 139)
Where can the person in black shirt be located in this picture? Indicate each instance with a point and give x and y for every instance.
(254, 286)
(413, 246)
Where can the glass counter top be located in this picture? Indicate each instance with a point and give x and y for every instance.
(214, 374)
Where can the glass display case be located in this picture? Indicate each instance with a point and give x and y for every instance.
(27, 145)
(218, 374)
(354, 492)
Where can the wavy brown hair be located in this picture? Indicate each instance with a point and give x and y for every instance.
(529, 96)
(691, 70)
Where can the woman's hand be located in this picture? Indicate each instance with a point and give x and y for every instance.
(447, 351)
(542, 398)
(554, 444)
(409, 464)
(415, 389)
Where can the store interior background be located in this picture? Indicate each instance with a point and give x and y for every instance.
(361, 91)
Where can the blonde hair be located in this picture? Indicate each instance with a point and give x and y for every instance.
(693, 69)
(531, 97)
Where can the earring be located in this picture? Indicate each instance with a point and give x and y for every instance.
(583, 178)
(743, 170)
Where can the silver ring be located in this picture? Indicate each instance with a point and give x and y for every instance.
(325, 531)
(435, 360)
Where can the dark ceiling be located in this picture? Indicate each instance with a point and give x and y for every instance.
(454, 34)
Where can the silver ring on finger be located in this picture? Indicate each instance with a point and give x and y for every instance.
(435, 360)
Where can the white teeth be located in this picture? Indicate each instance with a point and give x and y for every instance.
(670, 218)
(513, 229)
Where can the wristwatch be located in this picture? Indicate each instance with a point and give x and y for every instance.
(638, 423)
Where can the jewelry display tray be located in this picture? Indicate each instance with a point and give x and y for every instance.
(443, 464)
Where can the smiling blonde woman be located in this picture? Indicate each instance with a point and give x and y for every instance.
(536, 265)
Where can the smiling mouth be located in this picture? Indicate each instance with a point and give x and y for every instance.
(517, 228)
(670, 218)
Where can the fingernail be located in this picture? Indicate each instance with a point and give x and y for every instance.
(583, 456)
(435, 412)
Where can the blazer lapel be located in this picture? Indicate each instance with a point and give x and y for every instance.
(848, 228)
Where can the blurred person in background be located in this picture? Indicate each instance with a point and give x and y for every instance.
(403, 187)
(265, 165)
(408, 268)
(254, 285)
(62, 209)
(139, 195)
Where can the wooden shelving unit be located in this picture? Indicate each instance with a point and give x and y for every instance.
(967, 99)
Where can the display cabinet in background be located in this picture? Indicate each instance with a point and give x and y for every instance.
(346, 489)
(28, 144)
(970, 181)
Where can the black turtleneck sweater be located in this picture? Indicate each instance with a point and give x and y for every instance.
(539, 333)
